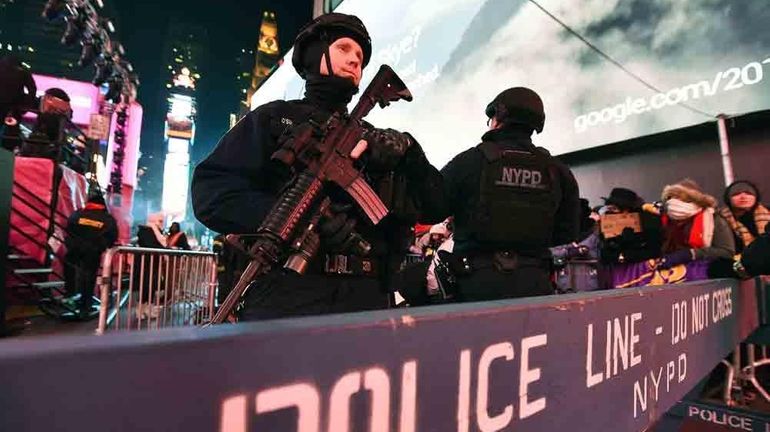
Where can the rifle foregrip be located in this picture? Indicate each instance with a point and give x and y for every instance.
(292, 206)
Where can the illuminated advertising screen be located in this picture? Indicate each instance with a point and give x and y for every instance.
(176, 173)
(685, 62)
(180, 118)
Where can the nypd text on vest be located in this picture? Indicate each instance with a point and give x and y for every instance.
(521, 177)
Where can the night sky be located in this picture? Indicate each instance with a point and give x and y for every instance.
(232, 25)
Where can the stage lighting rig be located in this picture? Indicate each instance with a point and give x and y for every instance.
(121, 118)
(76, 27)
(103, 72)
(83, 23)
(89, 52)
(54, 9)
(115, 89)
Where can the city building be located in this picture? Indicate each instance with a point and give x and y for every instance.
(268, 53)
(185, 51)
(255, 66)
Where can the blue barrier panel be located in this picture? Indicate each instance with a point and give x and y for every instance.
(612, 361)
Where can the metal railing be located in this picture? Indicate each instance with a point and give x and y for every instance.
(742, 372)
(142, 288)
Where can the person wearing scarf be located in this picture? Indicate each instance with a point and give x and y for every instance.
(743, 212)
(692, 229)
(176, 238)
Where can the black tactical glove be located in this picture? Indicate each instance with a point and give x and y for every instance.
(576, 250)
(756, 257)
(386, 148)
(336, 227)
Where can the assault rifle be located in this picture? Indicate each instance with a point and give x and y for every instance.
(289, 231)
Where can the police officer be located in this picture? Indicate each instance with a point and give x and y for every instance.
(510, 201)
(236, 185)
(90, 231)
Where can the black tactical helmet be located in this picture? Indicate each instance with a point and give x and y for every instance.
(518, 105)
(320, 27)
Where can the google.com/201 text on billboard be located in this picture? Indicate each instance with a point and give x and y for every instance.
(730, 79)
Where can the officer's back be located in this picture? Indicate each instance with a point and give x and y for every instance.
(91, 229)
(511, 201)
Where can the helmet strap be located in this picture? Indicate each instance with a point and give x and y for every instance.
(325, 38)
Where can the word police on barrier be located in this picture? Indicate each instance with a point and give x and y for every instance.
(612, 361)
(720, 417)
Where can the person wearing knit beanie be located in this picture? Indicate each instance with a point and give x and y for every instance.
(743, 211)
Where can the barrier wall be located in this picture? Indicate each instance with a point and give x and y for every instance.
(602, 361)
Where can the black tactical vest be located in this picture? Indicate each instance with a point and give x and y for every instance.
(518, 199)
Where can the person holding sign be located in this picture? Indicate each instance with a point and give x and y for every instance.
(630, 230)
(695, 241)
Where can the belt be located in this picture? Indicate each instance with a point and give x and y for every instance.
(350, 265)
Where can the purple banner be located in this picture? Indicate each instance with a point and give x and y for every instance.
(647, 274)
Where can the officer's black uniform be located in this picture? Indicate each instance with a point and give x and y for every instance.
(511, 201)
(90, 231)
(235, 187)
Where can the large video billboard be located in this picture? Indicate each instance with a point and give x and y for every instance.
(180, 119)
(702, 57)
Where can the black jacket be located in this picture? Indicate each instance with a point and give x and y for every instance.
(235, 187)
(145, 238)
(635, 247)
(462, 176)
(90, 231)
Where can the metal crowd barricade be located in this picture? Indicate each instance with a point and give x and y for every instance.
(142, 288)
(742, 372)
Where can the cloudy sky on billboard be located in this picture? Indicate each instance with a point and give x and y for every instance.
(705, 56)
